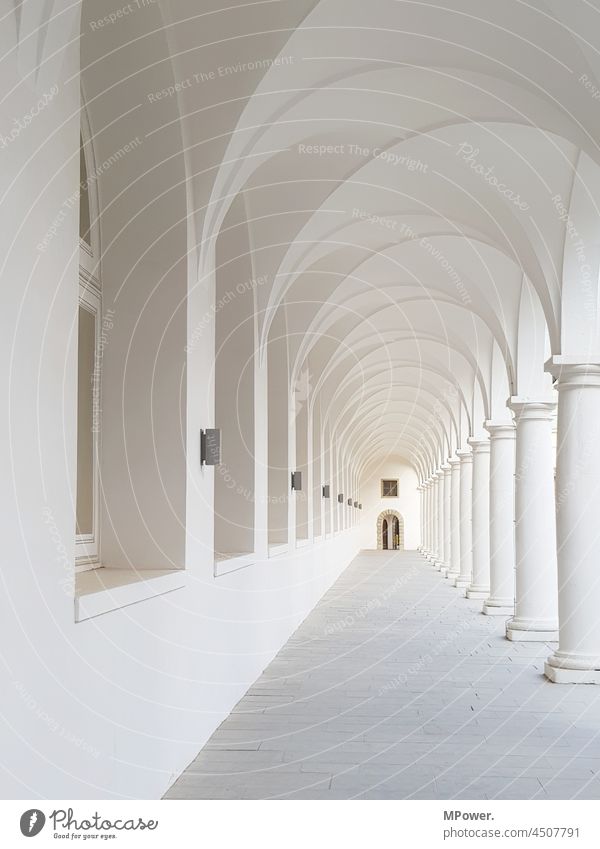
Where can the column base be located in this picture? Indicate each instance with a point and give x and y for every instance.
(531, 631)
(571, 676)
(498, 608)
(452, 576)
(477, 592)
(572, 668)
(462, 583)
(444, 571)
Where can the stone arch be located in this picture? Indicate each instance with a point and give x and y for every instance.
(389, 516)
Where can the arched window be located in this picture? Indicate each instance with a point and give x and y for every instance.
(84, 199)
(88, 361)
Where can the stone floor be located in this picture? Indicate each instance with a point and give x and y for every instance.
(397, 687)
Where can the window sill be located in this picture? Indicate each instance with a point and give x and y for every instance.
(277, 548)
(104, 590)
(226, 563)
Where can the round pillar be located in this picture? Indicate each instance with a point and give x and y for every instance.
(536, 585)
(434, 517)
(426, 519)
(421, 518)
(480, 581)
(454, 569)
(466, 505)
(446, 485)
(577, 659)
(501, 601)
(430, 519)
(439, 560)
(431, 502)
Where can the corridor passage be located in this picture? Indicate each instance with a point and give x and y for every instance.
(396, 686)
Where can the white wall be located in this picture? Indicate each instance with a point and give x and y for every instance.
(115, 706)
(407, 503)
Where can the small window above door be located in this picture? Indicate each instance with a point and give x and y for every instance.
(389, 489)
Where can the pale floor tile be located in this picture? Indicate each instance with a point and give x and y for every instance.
(396, 686)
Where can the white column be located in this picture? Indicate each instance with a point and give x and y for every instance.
(424, 543)
(480, 581)
(434, 510)
(427, 551)
(501, 601)
(446, 469)
(422, 508)
(454, 570)
(466, 506)
(577, 659)
(536, 586)
(431, 520)
(439, 560)
(431, 501)
(421, 517)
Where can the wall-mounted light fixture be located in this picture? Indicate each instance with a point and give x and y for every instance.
(349, 502)
(210, 446)
(326, 491)
(297, 481)
(356, 505)
(341, 498)
(360, 506)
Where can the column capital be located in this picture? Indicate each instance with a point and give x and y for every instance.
(454, 461)
(573, 372)
(501, 430)
(479, 446)
(531, 409)
(465, 455)
(438, 474)
(445, 468)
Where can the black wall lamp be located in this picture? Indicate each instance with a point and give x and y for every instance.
(210, 446)
(341, 498)
(326, 491)
(349, 502)
(356, 505)
(297, 481)
(360, 506)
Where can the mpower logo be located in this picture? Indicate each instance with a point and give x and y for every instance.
(32, 822)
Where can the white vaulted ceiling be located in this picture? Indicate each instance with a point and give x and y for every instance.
(406, 170)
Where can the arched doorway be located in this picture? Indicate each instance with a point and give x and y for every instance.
(390, 531)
